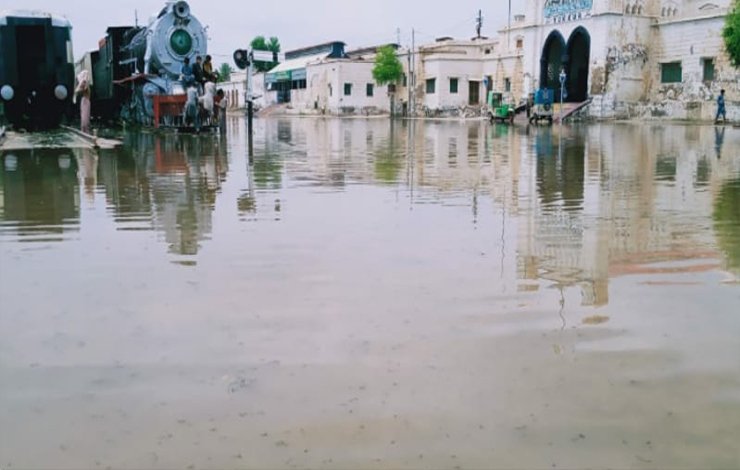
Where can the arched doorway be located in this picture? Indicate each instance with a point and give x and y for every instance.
(551, 62)
(576, 65)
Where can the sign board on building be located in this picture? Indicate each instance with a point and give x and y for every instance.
(559, 11)
(267, 56)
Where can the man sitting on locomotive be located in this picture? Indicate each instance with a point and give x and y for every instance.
(208, 74)
(198, 73)
(188, 78)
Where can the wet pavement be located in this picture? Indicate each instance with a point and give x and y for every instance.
(431, 295)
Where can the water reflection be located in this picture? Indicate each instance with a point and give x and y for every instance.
(572, 206)
(727, 223)
(168, 183)
(39, 195)
(494, 286)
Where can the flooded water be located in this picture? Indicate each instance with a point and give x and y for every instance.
(427, 295)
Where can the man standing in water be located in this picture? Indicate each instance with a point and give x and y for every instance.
(721, 108)
(83, 91)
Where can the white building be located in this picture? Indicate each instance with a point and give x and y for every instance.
(631, 58)
(324, 79)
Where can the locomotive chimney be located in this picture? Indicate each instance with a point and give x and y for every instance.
(181, 10)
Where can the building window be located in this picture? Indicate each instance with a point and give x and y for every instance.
(405, 80)
(370, 90)
(453, 86)
(507, 84)
(708, 69)
(431, 86)
(347, 89)
(519, 43)
(670, 72)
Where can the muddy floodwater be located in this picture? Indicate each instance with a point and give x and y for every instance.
(361, 295)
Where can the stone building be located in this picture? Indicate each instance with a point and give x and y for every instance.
(453, 77)
(634, 58)
(631, 58)
(326, 79)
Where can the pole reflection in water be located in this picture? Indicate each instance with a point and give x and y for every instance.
(356, 290)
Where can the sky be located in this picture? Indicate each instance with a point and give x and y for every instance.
(297, 23)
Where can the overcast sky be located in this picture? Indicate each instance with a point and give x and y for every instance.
(297, 23)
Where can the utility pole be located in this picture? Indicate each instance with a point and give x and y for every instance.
(508, 30)
(398, 36)
(250, 105)
(412, 73)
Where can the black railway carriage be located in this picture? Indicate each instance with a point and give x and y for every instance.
(36, 68)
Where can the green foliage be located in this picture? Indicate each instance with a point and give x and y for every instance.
(224, 72)
(259, 43)
(388, 68)
(731, 34)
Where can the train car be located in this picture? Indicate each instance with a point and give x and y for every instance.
(134, 64)
(36, 68)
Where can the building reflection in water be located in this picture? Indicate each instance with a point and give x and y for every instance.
(586, 202)
(39, 194)
(570, 206)
(727, 223)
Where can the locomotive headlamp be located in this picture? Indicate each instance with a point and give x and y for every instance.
(7, 92)
(181, 42)
(61, 92)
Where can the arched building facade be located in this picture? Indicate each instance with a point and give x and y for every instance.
(631, 57)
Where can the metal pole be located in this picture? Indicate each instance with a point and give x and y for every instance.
(508, 31)
(250, 107)
(412, 78)
(562, 92)
(561, 105)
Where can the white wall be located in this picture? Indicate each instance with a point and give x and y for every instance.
(325, 89)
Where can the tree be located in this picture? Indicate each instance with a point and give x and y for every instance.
(731, 34)
(388, 70)
(224, 72)
(259, 43)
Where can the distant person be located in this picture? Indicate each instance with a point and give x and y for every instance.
(721, 111)
(188, 78)
(83, 92)
(198, 73)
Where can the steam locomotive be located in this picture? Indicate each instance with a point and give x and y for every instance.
(133, 64)
(36, 68)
